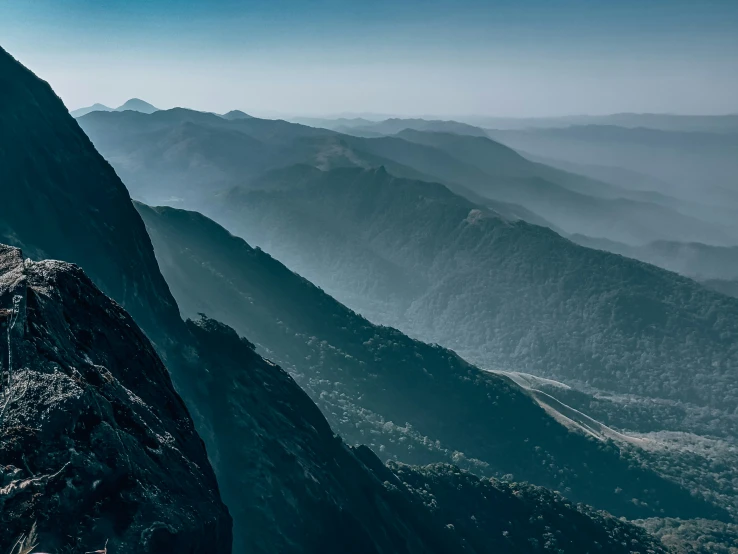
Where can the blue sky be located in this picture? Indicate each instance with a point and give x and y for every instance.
(496, 57)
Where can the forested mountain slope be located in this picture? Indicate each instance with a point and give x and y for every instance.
(304, 490)
(494, 516)
(407, 400)
(507, 295)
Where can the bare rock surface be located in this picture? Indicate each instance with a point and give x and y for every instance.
(95, 444)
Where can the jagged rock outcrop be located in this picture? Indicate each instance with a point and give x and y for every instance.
(95, 444)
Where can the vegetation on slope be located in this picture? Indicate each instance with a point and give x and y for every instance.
(406, 399)
(507, 295)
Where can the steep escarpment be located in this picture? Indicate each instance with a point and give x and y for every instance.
(62, 200)
(95, 444)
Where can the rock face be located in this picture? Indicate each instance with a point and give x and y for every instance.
(95, 444)
(62, 200)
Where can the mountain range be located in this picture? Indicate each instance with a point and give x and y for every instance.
(701, 262)
(422, 277)
(134, 104)
(184, 156)
(506, 295)
(405, 399)
(697, 166)
(658, 121)
(365, 128)
(98, 393)
(664, 122)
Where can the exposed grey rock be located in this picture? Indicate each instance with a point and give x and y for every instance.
(95, 444)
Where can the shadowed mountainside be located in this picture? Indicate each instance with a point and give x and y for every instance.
(61, 199)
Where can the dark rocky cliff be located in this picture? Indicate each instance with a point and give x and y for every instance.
(95, 444)
(62, 200)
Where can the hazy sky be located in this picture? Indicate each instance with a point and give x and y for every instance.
(496, 57)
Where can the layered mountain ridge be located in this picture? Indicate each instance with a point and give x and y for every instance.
(407, 400)
(181, 156)
(134, 104)
(289, 482)
(695, 165)
(506, 295)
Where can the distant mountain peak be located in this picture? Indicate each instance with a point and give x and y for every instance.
(237, 114)
(137, 105)
(97, 107)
